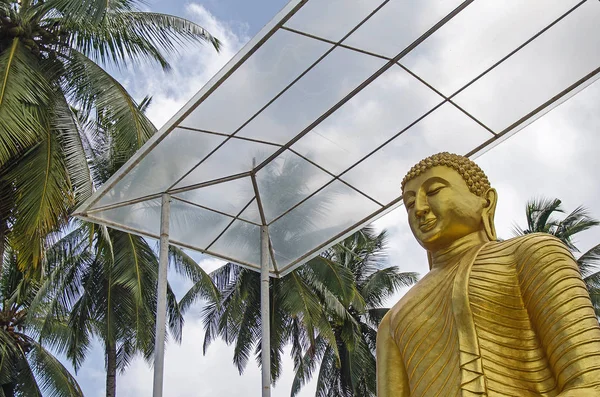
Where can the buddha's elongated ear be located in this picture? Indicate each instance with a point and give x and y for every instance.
(489, 211)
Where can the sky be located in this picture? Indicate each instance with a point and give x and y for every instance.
(555, 156)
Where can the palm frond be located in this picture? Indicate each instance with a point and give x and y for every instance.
(73, 147)
(44, 200)
(589, 261)
(54, 379)
(203, 284)
(93, 86)
(24, 97)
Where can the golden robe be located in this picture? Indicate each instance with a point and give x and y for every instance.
(510, 318)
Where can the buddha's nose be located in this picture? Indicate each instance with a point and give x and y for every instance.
(421, 211)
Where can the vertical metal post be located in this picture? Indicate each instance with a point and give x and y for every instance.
(161, 297)
(264, 311)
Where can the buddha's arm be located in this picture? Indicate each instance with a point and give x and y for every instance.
(561, 311)
(392, 380)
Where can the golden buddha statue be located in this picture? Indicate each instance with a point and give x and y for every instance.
(491, 318)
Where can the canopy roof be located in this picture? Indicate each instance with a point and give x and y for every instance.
(311, 127)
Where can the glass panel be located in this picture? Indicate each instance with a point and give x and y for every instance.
(317, 220)
(144, 216)
(228, 197)
(251, 213)
(478, 37)
(398, 23)
(269, 70)
(555, 60)
(331, 19)
(447, 129)
(234, 157)
(167, 162)
(194, 226)
(322, 87)
(241, 243)
(378, 112)
(286, 181)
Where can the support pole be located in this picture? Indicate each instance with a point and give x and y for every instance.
(161, 297)
(264, 311)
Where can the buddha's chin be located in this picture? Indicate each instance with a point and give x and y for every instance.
(429, 239)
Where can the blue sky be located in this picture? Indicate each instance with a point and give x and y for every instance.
(555, 156)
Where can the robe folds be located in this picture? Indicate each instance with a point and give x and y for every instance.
(510, 318)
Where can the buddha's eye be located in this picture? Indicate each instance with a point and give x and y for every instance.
(409, 204)
(435, 190)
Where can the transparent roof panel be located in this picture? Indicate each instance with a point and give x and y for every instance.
(274, 65)
(542, 69)
(322, 87)
(337, 206)
(381, 110)
(478, 37)
(230, 197)
(195, 227)
(143, 218)
(397, 24)
(315, 17)
(240, 242)
(445, 129)
(317, 137)
(286, 181)
(167, 162)
(236, 156)
(251, 213)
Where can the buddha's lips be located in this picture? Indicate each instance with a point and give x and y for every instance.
(427, 225)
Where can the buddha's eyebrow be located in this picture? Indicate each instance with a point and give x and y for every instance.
(435, 179)
(429, 181)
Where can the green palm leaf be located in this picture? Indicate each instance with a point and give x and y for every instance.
(51, 375)
(42, 181)
(24, 92)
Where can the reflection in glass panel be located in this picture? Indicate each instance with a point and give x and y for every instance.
(234, 157)
(282, 58)
(251, 213)
(317, 220)
(144, 216)
(446, 129)
(228, 197)
(241, 242)
(194, 226)
(321, 88)
(542, 69)
(169, 160)
(378, 112)
(479, 36)
(331, 19)
(286, 181)
(398, 23)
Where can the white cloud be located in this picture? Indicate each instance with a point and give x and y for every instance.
(192, 67)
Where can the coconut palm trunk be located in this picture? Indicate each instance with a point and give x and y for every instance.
(111, 369)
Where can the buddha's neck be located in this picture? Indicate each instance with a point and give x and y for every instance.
(450, 255)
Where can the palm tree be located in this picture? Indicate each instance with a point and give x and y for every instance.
(27, 368)
(539, 214)
(327, 310)
(50, 56)
(351, 370)
(102, 281)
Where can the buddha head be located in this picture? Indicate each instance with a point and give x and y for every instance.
(448, 197)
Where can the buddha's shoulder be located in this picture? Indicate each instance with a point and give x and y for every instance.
(533, 245)
(423, 288)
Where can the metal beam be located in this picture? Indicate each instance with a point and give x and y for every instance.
(161, 297)
(264, 312)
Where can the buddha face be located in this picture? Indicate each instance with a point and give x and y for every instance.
(441, 208)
